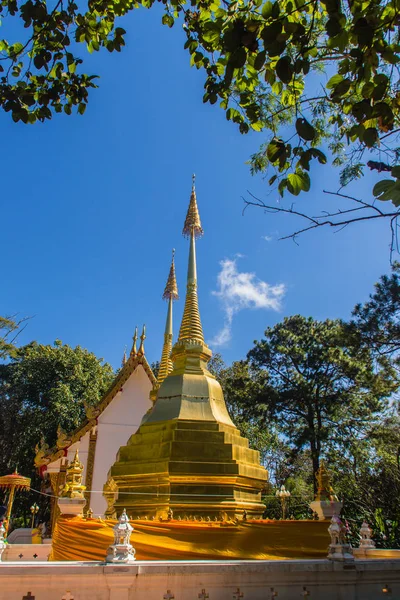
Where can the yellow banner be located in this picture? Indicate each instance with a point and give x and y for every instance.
(77, 538)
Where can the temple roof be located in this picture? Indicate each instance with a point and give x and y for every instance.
(46, 455)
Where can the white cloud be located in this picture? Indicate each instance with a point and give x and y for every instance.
(267, 238)
(238, 291)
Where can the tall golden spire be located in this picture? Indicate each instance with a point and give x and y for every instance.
(170, 294)
(191, 328)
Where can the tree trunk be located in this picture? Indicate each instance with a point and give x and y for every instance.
(315, 462)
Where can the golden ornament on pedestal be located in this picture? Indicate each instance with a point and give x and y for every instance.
(73, 487)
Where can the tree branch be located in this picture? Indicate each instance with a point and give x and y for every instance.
(344, 217)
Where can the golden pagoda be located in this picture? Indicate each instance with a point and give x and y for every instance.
(187, 456)
(170, 294)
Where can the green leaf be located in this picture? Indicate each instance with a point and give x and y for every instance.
(396, 172)
(238, 58)
(275, 150)
(284, 69)
(273, 179)
(319, 155)
(333, 26)
(382, 189)
(257, 126)
(305, 130)
(267, 10)
(168, 20)
(298, 182)
(334, 81)
(383, 110)
(259, 60)
(370, 136)
(342, 88)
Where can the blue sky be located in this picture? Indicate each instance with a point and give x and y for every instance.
(93, 205)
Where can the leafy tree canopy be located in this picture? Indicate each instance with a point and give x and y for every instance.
(320, 75)
(320, 386)
(41, 388)
(377, 321)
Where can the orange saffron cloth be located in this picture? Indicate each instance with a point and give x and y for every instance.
(77, 538)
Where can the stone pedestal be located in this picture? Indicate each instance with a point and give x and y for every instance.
(121, 553)
(341, 552)
(71, 506)
(325, 509)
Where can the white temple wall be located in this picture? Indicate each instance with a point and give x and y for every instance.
(116, 424)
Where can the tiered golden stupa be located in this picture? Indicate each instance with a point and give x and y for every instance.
(187, 456)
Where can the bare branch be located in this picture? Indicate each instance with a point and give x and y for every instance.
(338, 219)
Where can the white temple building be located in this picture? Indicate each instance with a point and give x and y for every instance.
(106, 428)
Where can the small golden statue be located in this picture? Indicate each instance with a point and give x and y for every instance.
(63, 439)
(325, 490)
(73, 487)
(41, 453)
(91, 411)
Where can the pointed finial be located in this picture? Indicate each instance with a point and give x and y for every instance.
(142, 338)
(171, 289)
(192, 222)
(76, 460)
(135, 337)
(124, 358)
(191, 328)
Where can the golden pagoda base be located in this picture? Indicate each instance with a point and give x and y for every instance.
(199, 469)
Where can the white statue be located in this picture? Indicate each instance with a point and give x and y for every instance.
(339, 549)
(3, 543)
(366, 541)
(121, 551)
(336, 531)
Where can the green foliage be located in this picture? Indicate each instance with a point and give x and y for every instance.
(8, 331)
(319, 72)
(377, 322)
(389, 189)
(327, 389)
(367, 478)
(315, 73)
(41, 388)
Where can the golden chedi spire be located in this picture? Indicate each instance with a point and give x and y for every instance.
(191, 328)
(190, 391)
(170, 294)
(187, 455)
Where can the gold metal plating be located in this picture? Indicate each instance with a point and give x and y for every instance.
(73, 487)
(187, 456)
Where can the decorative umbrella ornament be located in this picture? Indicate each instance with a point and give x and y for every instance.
(14, 482)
